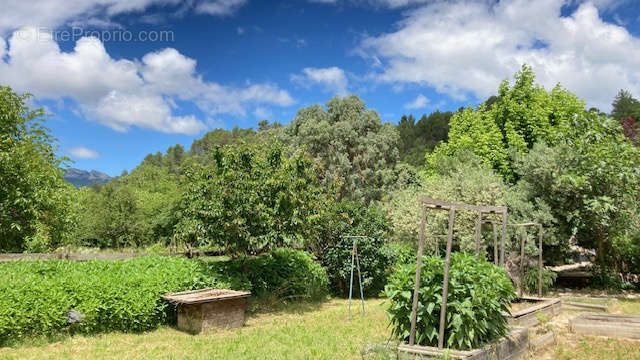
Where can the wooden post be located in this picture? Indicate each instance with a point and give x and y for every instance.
(495, 244)
(522, 242)
(359, 277)
(416, 288)
(540, 260)
(445, 282)
(353, 253)
(504, 237)
(478, 231)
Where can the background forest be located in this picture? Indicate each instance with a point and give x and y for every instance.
(337, 170)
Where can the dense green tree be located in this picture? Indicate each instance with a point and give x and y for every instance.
(137, 209)
(625, 105)
(219, 137)
(589, 179)
(417, 138)
(522, 114)
(626, 109)
(34, 197)
(328, 242)
(474, 130)
(351, 146)
(249, 199)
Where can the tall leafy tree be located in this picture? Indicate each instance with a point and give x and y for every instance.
(590, 180)
(625, 105)
(34, 197)
(251, 198)
(523, 114)
(419, 137)
(626, 109)
(351, 146)
(474, 130)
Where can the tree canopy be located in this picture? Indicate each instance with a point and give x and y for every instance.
(521, 115)
(34, 197)
(351, 146)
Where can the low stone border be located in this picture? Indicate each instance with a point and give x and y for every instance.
(511, 347)
(611, 325)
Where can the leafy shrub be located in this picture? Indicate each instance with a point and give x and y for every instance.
(334, 250)
(401, 253)
(531, 280)
(478, 293)
(604, 278)
(251, 199)
(112, 295)
(625, 254)
(284, 274)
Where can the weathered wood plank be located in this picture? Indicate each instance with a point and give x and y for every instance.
(610, 325)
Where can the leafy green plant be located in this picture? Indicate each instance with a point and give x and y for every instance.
(334, 249)
(288, 274)
(112, 295)
(251, 199)
(34, 197)
(401, 253)
(126, 295)
(478, 293)
(531, 280)
(604, 278)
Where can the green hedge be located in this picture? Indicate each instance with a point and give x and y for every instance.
(288, 274)
(125, 295)
(478, 293)
(283, 273)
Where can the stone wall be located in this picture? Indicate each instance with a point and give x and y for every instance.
(220, 314)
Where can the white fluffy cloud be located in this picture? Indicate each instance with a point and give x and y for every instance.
(53, 13)
(219, 7)
(419, 102)
(262, 113)
(82, 152)
(469, 47)
(124, 93)
(333, 79)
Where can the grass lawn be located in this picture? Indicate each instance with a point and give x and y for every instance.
(594, 348)
(297, 331)
(301, 331)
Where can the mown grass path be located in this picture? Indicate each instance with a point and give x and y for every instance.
(301, 331)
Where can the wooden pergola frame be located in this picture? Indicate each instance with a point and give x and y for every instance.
(433, 204)
(523, 241)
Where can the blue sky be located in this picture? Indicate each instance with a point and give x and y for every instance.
(223, 63)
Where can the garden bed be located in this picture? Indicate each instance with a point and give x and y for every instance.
(526, 311)
(610, 325)
(511, 347)
(206, 309)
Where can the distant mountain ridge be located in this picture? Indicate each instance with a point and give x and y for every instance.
(80, 178)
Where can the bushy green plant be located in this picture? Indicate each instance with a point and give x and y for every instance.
(626, 252)
(283, 274)
(531, 280)
(401, 253)
(478, 293)
(34, 197)
(288, 274)
(353, 149)
(251, 199)
(604, 278)
(112, 295)
(334, 249)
